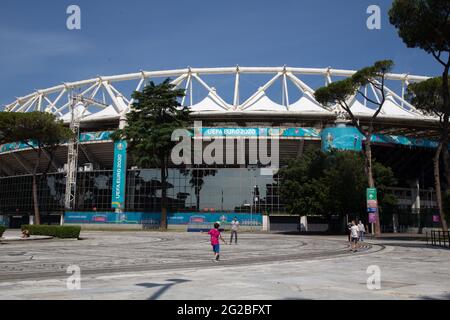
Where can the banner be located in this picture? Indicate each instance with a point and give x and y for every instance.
(192, 220)
(341, 138)
(347, 139)
(260, 132)
(372, 204)
(119, 174)
(185, 218)
(112, 218)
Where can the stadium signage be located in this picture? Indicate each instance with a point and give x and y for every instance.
(372, 204)
(119, 174)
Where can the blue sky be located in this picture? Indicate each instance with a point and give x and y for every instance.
(37, 50)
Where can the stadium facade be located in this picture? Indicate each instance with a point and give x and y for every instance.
(93, 181)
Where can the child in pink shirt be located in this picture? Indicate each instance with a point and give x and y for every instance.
(215, 236)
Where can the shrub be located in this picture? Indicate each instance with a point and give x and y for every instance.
(63, 232)
(2, 229)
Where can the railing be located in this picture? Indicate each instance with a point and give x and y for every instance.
(439, 238)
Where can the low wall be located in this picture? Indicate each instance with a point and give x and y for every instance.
(177, 221)
(107, 226)
(424, 230)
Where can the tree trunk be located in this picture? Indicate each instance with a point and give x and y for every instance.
(370, 180)
(437, 186)
(369, 170)
(163, 196)
(37, 214)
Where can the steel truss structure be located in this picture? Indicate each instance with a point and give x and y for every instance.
(52, 100)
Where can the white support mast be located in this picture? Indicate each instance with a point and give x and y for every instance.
(72, 153)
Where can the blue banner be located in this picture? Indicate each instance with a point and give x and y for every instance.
(260, 132)
(405, 141)
(84, 137)
(195, 221)
(300, 132)
(95, 136)
(119, 174)
(341, 138)
(153, 219)
(192, 220)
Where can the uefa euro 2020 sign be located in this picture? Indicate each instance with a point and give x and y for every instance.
(119, 174)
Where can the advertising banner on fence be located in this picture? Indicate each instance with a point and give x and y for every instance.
(119, 174)
(112, 218)
(193, 221)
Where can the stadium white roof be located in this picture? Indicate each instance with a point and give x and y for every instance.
(102, 100)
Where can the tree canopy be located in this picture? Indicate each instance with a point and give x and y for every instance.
(339, 92)
(41, 127)
(154, 115)
(427, 96)
(332, 184)
(41, 131)
(37, 129)
(423, 23)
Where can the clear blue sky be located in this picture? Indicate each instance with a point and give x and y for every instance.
(37, 51)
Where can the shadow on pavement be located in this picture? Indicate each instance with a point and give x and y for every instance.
(413, 245)
(441, 297)
(164, 287)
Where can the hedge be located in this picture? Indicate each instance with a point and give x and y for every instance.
(63, 232)
(2, 229)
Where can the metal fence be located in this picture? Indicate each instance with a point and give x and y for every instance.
(439, 238)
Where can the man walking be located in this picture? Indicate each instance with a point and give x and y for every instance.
(362, 230)
(234, 230)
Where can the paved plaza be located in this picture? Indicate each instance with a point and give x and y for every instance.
(170, 265)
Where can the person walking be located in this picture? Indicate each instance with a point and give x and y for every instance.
(234, 230)
(354, 234)
(362, 230)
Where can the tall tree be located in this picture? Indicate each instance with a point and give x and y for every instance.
(341, 92)
(427, 96)
(42, 132)
(425, 24)
(154, 115)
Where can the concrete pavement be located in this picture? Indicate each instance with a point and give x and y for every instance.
(155, 265)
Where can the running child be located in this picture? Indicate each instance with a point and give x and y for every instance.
(215, 236)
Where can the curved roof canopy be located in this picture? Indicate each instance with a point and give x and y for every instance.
(103, 100)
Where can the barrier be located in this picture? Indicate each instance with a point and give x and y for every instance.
(439, 238)
(184, 221)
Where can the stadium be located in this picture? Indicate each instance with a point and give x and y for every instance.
(77, 181)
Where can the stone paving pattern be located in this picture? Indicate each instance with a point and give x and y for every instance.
(168, 265)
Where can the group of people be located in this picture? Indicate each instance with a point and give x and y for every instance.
(216, 235)
(356, 233)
